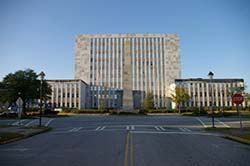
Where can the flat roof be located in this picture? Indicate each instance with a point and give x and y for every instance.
(67, 80)
(213, 80)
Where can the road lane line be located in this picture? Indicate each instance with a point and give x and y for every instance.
(201, 122)
(131, 150)
(126, 150)
(15, 149)
(222, 123)
(47, 124)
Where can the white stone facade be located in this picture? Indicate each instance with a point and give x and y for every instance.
(124, 67)
(205, 92)
(69, 94)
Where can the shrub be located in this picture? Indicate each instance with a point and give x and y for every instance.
(143, 111)
(113, 112)
(50, 112)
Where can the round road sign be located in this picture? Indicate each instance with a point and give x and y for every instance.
(237, 98)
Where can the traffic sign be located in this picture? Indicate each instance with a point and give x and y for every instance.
(19, 102)
(237, 98)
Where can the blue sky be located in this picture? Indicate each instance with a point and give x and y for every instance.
(215, 34)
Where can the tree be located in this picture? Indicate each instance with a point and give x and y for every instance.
(23, 83)
(148, 102)
(180, 97)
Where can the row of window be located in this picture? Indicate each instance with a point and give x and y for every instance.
(68, 95)
(65, 105)
(208, 104)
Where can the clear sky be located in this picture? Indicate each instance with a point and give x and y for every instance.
(40, 34)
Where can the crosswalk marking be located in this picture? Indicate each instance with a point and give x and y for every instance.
(159, 128)
(75, 129)
(100, 128)
(130, 127)
(47, 124)
(17, 122)
(162, 128)
(185, 129)
(224, 124)
(30, 123)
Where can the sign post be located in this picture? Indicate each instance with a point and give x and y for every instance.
(238, 99)
(19, 104)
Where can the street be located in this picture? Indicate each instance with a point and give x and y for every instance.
(127, 141)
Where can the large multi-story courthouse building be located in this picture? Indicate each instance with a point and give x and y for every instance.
(123, 68)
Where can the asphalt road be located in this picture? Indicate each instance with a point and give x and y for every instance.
(127, 141)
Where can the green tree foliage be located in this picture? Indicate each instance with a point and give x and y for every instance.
(148, 102)
(25, 83)
(180, 97)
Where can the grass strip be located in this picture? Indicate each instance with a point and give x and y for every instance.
(8, 137)
(239, 138)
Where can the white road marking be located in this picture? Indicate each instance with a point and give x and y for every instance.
(30, 123)
(127, 127)
(15, 149)
(98, 128)
(75, 129)
(157, 128)
(78, 129)
(47, 124)
(132, 127)
(17, 122)
(102, 128)
(182, 129)
(222, 123)
(162, 128)
(187, 133)
(201, 122)
(188, 130)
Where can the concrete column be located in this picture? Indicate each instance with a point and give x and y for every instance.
(127, 83)
(66, 94)
(61, 99)
(52, 94)
(75, 95)
(57, 95)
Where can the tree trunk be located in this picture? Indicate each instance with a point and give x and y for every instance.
(179, 109)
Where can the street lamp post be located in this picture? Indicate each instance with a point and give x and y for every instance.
(42, 75)
(210, 76)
